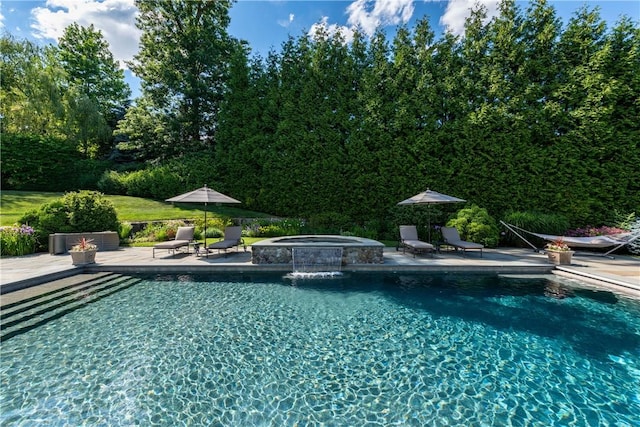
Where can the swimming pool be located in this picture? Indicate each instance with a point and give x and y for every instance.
(384, 349)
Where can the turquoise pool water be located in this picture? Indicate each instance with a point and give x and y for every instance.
(378, 350)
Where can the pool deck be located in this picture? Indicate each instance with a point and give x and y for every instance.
(621, 274)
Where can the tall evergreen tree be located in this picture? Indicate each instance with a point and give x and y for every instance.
(327, 96)
(584, 129)
(541, 31)
(283, 166)
(376, 174)
(241, 132)
(431, 170)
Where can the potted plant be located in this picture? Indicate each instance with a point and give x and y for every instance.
(84, 252)
(559, 253)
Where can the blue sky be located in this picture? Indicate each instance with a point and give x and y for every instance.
(266, 24)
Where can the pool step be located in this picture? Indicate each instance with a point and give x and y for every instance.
(25, 296)
(59, 298)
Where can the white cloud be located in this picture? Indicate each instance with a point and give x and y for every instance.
(331, 30)
(369, 15)
(1, 20)
(458, 10)
(286, 22)
(114, 18)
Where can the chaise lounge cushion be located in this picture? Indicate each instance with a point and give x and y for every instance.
(232, 237)
(184, 236)
(409, 240)
(452, 237)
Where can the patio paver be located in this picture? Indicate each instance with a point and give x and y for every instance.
(619, 274)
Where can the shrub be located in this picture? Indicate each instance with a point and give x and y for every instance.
(476, 225)
(75, 212)
(156, 183)
(594, 231)
(125, 230)
(360, 231)
(625, 221)
(112, 182)
(163, 231)
(90, 211)
(215, 226)
(270, 228)
(160, 181)
(17, 240)
(155, 232)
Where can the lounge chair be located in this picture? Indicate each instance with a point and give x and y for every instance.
(184, 236)
(232, 237)
(451, 237)
(409, 240)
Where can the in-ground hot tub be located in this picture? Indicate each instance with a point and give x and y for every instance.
(355, 250)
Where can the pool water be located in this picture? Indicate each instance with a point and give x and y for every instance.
(354, 350)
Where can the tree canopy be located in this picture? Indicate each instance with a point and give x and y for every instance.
(523, 113)
(182, 64)
(75, 91)
(519, 114)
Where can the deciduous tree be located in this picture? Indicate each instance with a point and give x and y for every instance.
(183, 66)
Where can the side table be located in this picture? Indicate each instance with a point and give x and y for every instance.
(196, 247)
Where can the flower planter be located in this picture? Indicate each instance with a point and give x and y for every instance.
(560, 257)
(83, 257)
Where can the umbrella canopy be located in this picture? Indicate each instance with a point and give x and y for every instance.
(430, 197)
(203, 195)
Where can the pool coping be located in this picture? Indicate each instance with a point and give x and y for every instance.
(23, 272)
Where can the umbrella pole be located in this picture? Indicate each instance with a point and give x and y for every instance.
(429, 220)
(205, 226)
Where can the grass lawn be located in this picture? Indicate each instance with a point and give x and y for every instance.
(14, 204)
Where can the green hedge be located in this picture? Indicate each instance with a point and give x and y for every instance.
(37, 163)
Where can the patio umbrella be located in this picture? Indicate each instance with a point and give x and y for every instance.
(203, 195)
(430, 197)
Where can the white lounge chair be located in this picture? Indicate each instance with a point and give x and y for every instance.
(409, 240)
(184, 236)
(451, 237)
(232, 237)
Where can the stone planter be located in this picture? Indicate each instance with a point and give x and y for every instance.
(560, 257)
(83, 257)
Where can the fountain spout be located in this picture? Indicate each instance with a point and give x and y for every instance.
(317, 260)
